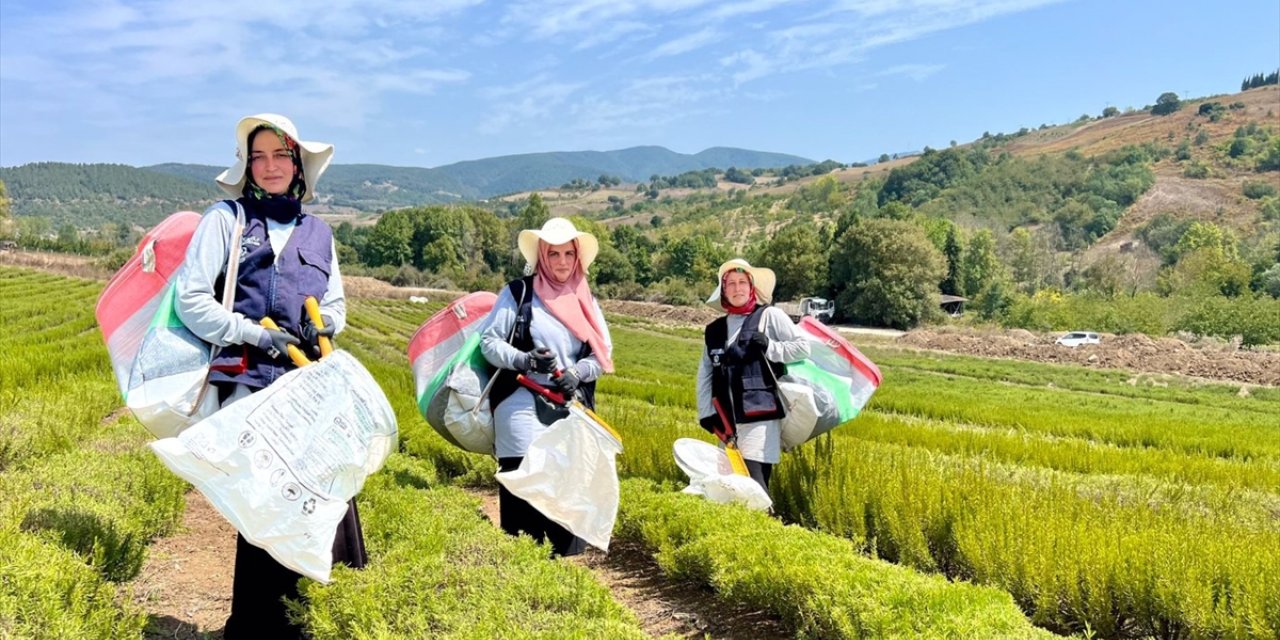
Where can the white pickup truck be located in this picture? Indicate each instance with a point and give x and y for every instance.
(820, 309)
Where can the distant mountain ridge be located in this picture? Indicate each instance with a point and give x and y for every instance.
(89, 194)
(375, 186)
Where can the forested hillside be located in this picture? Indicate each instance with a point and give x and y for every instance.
(1152, 221)
(88, 196)
(1057, 240)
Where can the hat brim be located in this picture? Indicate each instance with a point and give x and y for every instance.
(763, 278)
(588, 246)
(315, 159)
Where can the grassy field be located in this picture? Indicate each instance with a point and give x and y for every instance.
(973, 498)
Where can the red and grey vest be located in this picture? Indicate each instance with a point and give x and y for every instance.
(276, 289)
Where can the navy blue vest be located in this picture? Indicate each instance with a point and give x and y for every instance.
(267, 289)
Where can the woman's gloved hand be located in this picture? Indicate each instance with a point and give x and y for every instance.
(541, 360)
(567, 381)
(759, 343)
(311, 335)
(276, 343)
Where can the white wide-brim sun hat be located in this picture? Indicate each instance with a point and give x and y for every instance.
(763, 279)
(558, 231)
(315, 155)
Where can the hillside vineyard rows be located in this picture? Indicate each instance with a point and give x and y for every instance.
(973, 499)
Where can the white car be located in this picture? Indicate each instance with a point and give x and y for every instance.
(1077, 338)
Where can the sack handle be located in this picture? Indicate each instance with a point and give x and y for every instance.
(524, 295)
(232, 273)
(786, 403)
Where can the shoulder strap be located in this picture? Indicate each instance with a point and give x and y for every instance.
(232, 271)
(716, 335)
(520, 292)
(751, 325)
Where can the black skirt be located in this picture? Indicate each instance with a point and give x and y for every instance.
(518, 516)
(261, 584)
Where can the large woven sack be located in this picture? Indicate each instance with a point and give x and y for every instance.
(450, 374)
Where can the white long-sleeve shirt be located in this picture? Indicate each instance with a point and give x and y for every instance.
(759, 441)
(515, 421)
(197, 303)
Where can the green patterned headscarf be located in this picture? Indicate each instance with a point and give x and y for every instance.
(297, 188)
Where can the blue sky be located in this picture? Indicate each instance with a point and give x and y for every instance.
(438, 81)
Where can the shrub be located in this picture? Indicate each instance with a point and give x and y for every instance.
(1258, 189)
(1197, 170)
(1251, 318)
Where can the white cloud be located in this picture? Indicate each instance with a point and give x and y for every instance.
(917, 72)
(685, 44)
(525, 102)
(842, 33)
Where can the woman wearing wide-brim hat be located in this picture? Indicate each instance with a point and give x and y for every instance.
(285, 256)
(547, 326)
(744, 353)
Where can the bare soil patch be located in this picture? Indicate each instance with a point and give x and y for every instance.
(671, 314)
(185, 584)
(1135, 352)
(61, 263)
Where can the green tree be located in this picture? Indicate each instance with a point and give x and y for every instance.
(953, 251)
(982, 265)
(5, 205)
(638, 249)
(1269, 160)
(738, 176)
(797, 254)
(884, 157)
(1110, 111)
(1030, 260)
(1270, 281)
(1206, 272)
(7, 230)
(1206, 235)
(886, 272)
(692, 259)
(391, 242)
(68, 236)
(1166, 104)
(1105, 276)
(490, 238)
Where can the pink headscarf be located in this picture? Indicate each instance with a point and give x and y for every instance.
(571, 303)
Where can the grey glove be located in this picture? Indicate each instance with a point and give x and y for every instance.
(311, 335)
(276, 343)
(567, 381)
(541, 360)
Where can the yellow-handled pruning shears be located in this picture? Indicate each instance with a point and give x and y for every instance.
(313, 311)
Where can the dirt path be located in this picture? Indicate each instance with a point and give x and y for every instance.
(662, 605)
(185, 584)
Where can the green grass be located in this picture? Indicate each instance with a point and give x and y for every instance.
(1097, 501)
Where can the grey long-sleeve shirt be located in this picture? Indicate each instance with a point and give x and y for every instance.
(760, 441)
(515, 422)
(196, 302)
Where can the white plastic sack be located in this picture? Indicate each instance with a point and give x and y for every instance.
(167, 382)
(281, 464)
(711, 476)
(569, 476)
(802, 414)
(467, 415)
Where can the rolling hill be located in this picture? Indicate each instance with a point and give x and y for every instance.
(89, 195)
